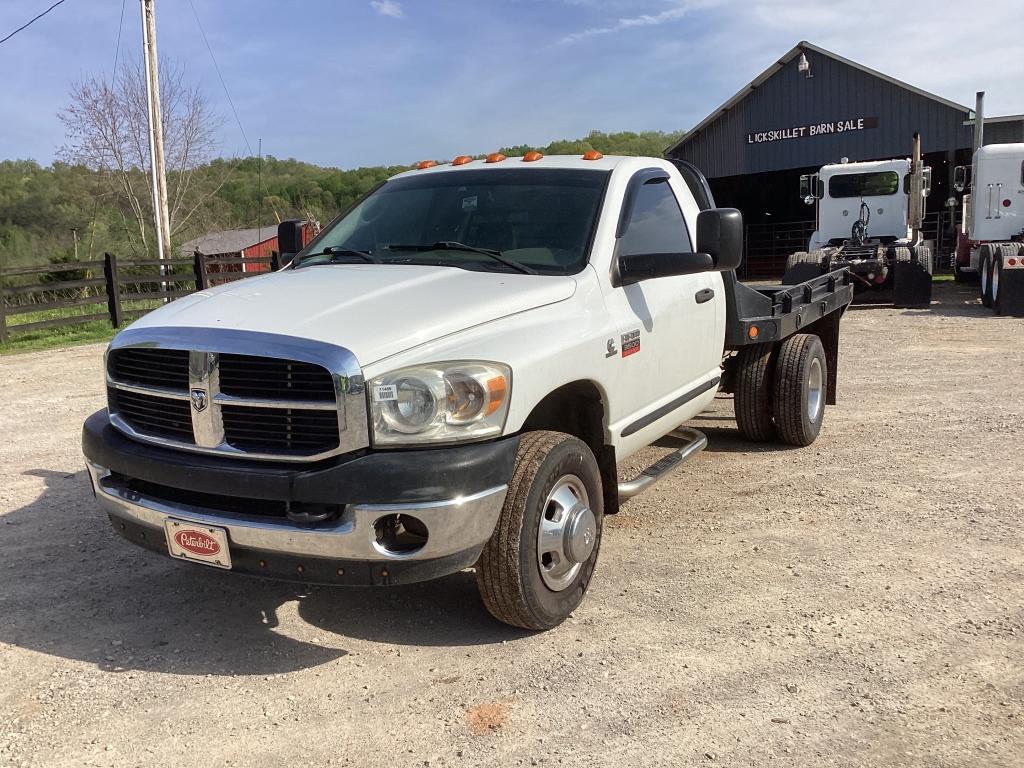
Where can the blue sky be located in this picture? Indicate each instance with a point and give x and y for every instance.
(367, 82)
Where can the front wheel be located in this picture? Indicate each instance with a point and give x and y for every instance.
(537, 565)
(985, 270)
(995, 280)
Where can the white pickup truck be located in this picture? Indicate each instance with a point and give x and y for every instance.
(447, 376)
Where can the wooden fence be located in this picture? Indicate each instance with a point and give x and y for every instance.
(114, 290)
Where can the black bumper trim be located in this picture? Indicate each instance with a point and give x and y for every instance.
(383, 477)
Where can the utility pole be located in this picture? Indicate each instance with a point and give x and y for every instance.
(259, 194)
(161, 215)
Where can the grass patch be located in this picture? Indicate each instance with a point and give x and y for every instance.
(73, 334)
(52, 338)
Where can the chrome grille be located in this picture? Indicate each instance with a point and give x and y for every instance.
(150, 367)
(250, 376)
(153, 415)
(264, 406)
(281, 429)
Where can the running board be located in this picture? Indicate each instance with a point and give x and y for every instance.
(695, 443)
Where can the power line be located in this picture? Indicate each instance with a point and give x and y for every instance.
(30, 23)
(223, 84)
(117, 47)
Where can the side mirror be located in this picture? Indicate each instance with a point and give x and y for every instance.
(289, 239)
(648, 266)
(927, 182)
(809, 188)
(960, 178)
(720, 235)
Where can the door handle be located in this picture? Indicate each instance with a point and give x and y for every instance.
(704, 294)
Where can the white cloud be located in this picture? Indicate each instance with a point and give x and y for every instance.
(642, 20)
(928, 43)
(388, 8)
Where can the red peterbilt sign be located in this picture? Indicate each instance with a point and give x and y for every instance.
(197, 542)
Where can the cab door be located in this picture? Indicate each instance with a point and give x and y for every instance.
(668, 330)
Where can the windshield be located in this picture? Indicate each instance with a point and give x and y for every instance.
(539, 219)
(864, 184)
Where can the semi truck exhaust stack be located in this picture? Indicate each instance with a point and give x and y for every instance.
(915, 211)
(979, 121)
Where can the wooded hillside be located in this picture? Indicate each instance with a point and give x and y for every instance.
(40, 206)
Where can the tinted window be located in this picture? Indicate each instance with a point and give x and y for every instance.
(864, 184)
(542, 218)
(656, 224)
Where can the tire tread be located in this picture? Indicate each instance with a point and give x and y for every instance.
(753, 398)
(793, 356)
(498, 575)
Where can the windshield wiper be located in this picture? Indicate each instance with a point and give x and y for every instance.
(451, 245)
(337, 250)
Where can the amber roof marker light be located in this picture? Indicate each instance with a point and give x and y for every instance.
(495, 157)
(462, 160)
(532, 156)
(592, 154)
(422, 164)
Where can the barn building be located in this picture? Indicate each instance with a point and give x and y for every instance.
(813, 107)
(252, 243)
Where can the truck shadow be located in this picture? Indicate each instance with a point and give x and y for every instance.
(729, 440)
(73, 588)
(949, 299)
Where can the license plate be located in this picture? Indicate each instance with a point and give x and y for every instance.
(198, 543)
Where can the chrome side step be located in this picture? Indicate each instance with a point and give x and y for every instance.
(696, 442)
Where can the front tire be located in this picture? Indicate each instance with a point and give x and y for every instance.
(959, 276)
(996, 280)
(985, 271)
(537, 565)
(802, 266)
(923, 254)
(801, 387)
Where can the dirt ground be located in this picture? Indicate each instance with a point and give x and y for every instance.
(856, 603)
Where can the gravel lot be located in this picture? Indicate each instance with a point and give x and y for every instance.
(856, 603)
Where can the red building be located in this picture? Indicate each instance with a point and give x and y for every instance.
(252, 243)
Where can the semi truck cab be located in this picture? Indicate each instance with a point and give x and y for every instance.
(868, 218)
(840, 190)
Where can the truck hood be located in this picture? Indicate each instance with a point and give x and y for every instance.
(373, 310)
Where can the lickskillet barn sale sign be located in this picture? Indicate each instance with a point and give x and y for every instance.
(814, 129)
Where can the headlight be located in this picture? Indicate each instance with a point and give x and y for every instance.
(442, 403)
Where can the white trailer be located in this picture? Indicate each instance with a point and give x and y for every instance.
(991, 244)
(868, 219)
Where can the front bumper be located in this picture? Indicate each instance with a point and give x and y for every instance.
(456, 492)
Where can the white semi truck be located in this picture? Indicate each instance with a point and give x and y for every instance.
(448, 375)
(868, 219)
(991, 241)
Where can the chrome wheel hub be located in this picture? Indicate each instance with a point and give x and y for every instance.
(815, 390)
(567, 533)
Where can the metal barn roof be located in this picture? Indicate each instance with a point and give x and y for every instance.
(230, 240)
(774, 122)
